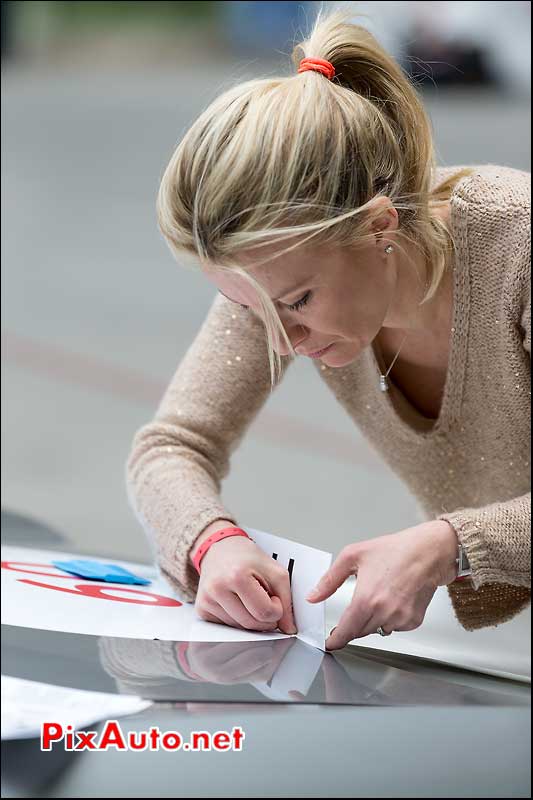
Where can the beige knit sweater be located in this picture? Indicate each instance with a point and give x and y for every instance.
(470, 467)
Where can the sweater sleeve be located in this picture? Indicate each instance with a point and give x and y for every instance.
(179, 459)
(138, 665)
(497, 541)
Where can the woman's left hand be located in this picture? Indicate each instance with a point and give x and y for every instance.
(397, 575)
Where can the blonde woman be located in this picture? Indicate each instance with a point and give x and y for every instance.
(314, 205)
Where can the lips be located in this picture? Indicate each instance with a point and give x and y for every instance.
(318, 353)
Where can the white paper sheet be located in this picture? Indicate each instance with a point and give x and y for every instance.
(504, 650)
(296, 672)
(37, 595)
(27, 704)
(309, 564)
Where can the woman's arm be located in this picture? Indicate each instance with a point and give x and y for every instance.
(178, 460)
(497, 537)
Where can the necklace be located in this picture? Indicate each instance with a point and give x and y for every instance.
(383, 384)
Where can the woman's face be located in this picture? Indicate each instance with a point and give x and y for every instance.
(326, 298)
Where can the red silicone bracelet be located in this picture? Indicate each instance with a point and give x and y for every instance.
(215, 537)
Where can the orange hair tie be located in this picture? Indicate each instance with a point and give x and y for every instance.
(318, 65)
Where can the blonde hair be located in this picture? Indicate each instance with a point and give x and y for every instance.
(302, 157)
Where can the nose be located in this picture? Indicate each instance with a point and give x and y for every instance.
(297, 334)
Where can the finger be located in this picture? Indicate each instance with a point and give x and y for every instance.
(295, 695)
(213, 612)
(219, 652)
(394, 623)
(281, 585)
(406, 620)
(375, 622)
(257, 600)
(340, 570)
(233, 606)
(224, 653)
(255, 660)
(354, 619)
(249, 662)
(208, 617)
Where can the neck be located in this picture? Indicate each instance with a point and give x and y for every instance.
(405, 314)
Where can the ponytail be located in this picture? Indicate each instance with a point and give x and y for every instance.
(302, 157)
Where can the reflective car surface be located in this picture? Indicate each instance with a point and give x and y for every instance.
(357, 722)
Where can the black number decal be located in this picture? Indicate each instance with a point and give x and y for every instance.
(289, 568)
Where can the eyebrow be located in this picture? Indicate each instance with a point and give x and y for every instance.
(290, 292)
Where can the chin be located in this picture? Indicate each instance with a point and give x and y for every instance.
(337, 359)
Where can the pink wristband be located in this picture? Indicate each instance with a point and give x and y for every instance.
(215, 537)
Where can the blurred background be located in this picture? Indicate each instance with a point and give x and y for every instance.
(95, 313)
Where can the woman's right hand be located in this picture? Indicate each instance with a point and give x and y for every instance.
(241, 586)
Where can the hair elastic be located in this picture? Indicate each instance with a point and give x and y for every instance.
(318, 65)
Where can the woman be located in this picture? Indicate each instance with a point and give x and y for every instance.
(314, 206)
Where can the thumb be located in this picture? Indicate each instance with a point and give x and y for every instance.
(294, 695)
(332, 579)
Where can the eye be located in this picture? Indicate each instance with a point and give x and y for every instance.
(300, 303)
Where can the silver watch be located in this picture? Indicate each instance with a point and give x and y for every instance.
(463, 565)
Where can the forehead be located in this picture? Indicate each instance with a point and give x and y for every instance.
(276, 274)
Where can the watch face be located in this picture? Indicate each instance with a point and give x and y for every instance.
(463, 566)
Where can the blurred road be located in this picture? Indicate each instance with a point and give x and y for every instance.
(96, 315)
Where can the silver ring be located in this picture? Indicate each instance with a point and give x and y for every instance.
(382, 632)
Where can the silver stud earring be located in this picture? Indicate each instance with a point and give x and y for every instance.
(389, 249)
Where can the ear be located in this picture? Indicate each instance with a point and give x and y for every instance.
(387, 221)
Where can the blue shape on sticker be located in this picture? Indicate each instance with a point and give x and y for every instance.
(99, 571)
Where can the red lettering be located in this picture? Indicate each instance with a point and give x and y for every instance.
(69, 738)
(139, 744)
(221, 740)
(154, 738)
(102, 592)
(50, 732)
(112, 736)
(202, 736)
(171, 741)
(86, 740)
(238, 736)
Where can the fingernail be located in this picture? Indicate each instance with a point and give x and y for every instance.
(331, 631)
(313, 593)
